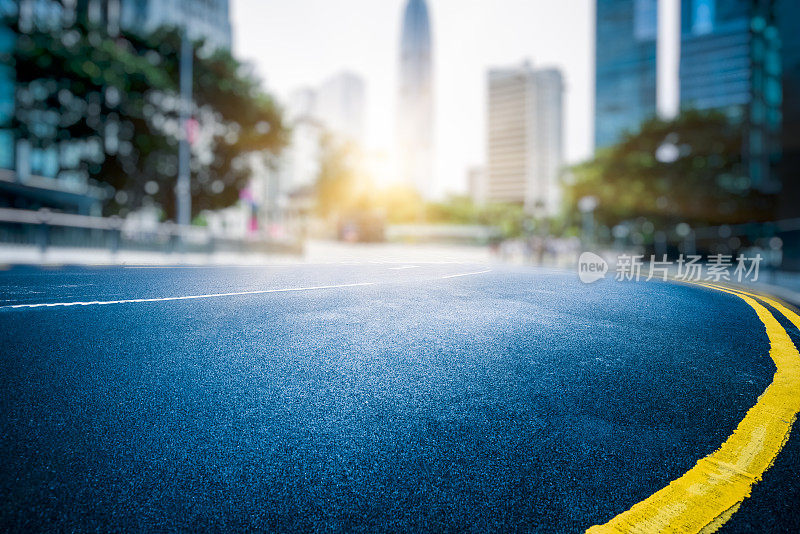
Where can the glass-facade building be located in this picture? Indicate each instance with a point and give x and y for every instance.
(788, 17)
(202, 19)
(7, 39)
(34, 176)
(625, 76)
(731, 61)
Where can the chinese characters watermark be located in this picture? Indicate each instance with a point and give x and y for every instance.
(686, 268)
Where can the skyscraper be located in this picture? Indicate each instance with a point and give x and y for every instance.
(625, 75)
(7, 85)
(787, 16)
(525, 137)
(340, 104)
(203, 19)
(336, 108)
(730, 61)
(415, 109)
(34, 176)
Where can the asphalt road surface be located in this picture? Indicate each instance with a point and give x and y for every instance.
(368, 398)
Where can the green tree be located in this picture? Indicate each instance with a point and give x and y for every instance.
(689, 169)
(508, 218)
(110, 106)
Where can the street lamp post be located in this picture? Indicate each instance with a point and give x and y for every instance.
(183, 187)
(587, 205)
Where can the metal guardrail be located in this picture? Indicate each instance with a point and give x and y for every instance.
(45, 228)
(47, 217)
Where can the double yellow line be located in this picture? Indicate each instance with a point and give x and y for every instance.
(704, 498)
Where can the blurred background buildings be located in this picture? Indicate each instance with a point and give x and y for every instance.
(208, 20)
(736, 57)
(731, 60)
(525, 154)
(625, 67)
(91, 117)
(334, 111)
(415, 108)
(787, 14)
(36, 177)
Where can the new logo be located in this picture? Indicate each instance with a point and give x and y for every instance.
(591, 267)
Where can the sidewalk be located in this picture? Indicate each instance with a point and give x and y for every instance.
(315, 252)
(57, 256)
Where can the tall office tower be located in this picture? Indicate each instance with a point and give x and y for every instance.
(7, 84)
(525, 137)
(203, 19)
(415, 109)
(339, 104)
(477, 184)
(730, 61)
(625, 67)
(787, 16)
(32, 175)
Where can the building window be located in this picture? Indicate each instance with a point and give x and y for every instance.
(6, 95)
(703, 12)
(6, 149)
(645, 19)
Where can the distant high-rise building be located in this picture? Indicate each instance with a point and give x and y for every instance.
(477, 184)
(203, 19)
(625, 67)
(300, 162)
(731, 61)
(525, 137)
(340, 104)
(335, 107)
(302, 102)
(415, 109)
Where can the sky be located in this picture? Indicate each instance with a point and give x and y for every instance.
(299, 43)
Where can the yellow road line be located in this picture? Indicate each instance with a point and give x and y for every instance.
(704, 498)
(775, 303)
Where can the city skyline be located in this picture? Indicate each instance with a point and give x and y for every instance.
(368, 43)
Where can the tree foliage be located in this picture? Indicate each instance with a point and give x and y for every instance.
(110, 106)
(689, 169)
(509, 219)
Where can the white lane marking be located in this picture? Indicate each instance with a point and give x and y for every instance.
(403, 267)
(188, 297)
(466, 274)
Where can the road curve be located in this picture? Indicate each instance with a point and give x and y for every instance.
(365, 398)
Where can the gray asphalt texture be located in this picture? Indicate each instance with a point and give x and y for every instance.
(511, 401)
